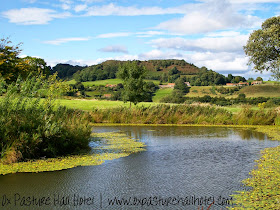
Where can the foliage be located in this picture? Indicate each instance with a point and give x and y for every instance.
(177, 97)
(163, 114)
(97, 72)
(66, 71)
(134, 89)
(263, 47)
(12, 66)
(37, 65)
(114, 145)
(31, 128)
(180, 85)
(208, 77)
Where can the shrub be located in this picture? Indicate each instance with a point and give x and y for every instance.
(32, 127)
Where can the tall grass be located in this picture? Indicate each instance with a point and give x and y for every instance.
(163, 114)
(30, 128)
(185, 114)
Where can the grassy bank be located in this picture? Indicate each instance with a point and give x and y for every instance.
(264, 179)
(113, 145)
(31, 128)
(184, 114)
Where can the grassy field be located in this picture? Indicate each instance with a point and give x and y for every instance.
(238, 108)
(87, 105)
(261, 90)
(199, 91)
(105, 82)
(162, 93)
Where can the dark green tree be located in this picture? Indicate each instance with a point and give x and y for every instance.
(132, 75)
(263, 47)
(180, 85)
(37, 65)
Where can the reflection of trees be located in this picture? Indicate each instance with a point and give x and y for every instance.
(247, 134)
(140, 132)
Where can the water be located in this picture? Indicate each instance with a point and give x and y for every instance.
(180, 164)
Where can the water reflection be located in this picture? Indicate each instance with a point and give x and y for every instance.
(179, 162)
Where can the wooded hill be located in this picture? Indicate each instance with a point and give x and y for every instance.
(108, 69)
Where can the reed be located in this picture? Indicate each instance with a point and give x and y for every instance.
(31, 129)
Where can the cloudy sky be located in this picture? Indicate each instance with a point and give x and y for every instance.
(208, 33)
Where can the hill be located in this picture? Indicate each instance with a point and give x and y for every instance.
(261, 91)
(156, 69)
(66, 71)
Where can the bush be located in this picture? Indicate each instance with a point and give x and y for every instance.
(32, 127)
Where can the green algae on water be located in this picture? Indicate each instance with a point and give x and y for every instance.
(115, 145)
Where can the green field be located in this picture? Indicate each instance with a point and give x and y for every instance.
(199, 91)
(161, 93)
(105, 82)
(87, 105)
(261, 91)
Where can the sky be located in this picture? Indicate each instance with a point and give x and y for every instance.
(208, 33)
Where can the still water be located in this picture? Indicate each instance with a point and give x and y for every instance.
(181, 167)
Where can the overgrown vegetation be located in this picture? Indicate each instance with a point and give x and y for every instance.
(31, 128)
(185, 114)
(114, 145)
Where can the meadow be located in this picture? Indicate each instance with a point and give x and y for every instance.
(105, 82)
(89, 105)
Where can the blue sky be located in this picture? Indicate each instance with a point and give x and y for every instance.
(208, 33)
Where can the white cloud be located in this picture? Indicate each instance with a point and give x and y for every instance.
(65, 40)
(223, 34)
(65, 6)
(220, 61)
(157, 54)
(137, 34)
(149, 33)
(114, 49)
(112, 9)
(113, 35)
(80, 7)
(210, 16)
(213, 44)
(33, 16)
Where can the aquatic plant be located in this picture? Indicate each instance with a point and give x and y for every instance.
(114, 145)
(264, 181)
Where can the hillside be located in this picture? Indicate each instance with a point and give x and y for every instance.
(156, 69)
(160, 65)
(261, 91)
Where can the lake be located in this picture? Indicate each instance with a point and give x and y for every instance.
(182, 168)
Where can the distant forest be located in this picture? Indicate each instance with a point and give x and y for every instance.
(162, 70)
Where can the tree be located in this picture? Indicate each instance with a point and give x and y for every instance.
(11, 66)
(37, 65)
(259, 79)
(263, 47)
(180, 85)
(132, 75)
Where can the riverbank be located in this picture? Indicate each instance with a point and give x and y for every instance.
(112, 146)
(181, 115)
